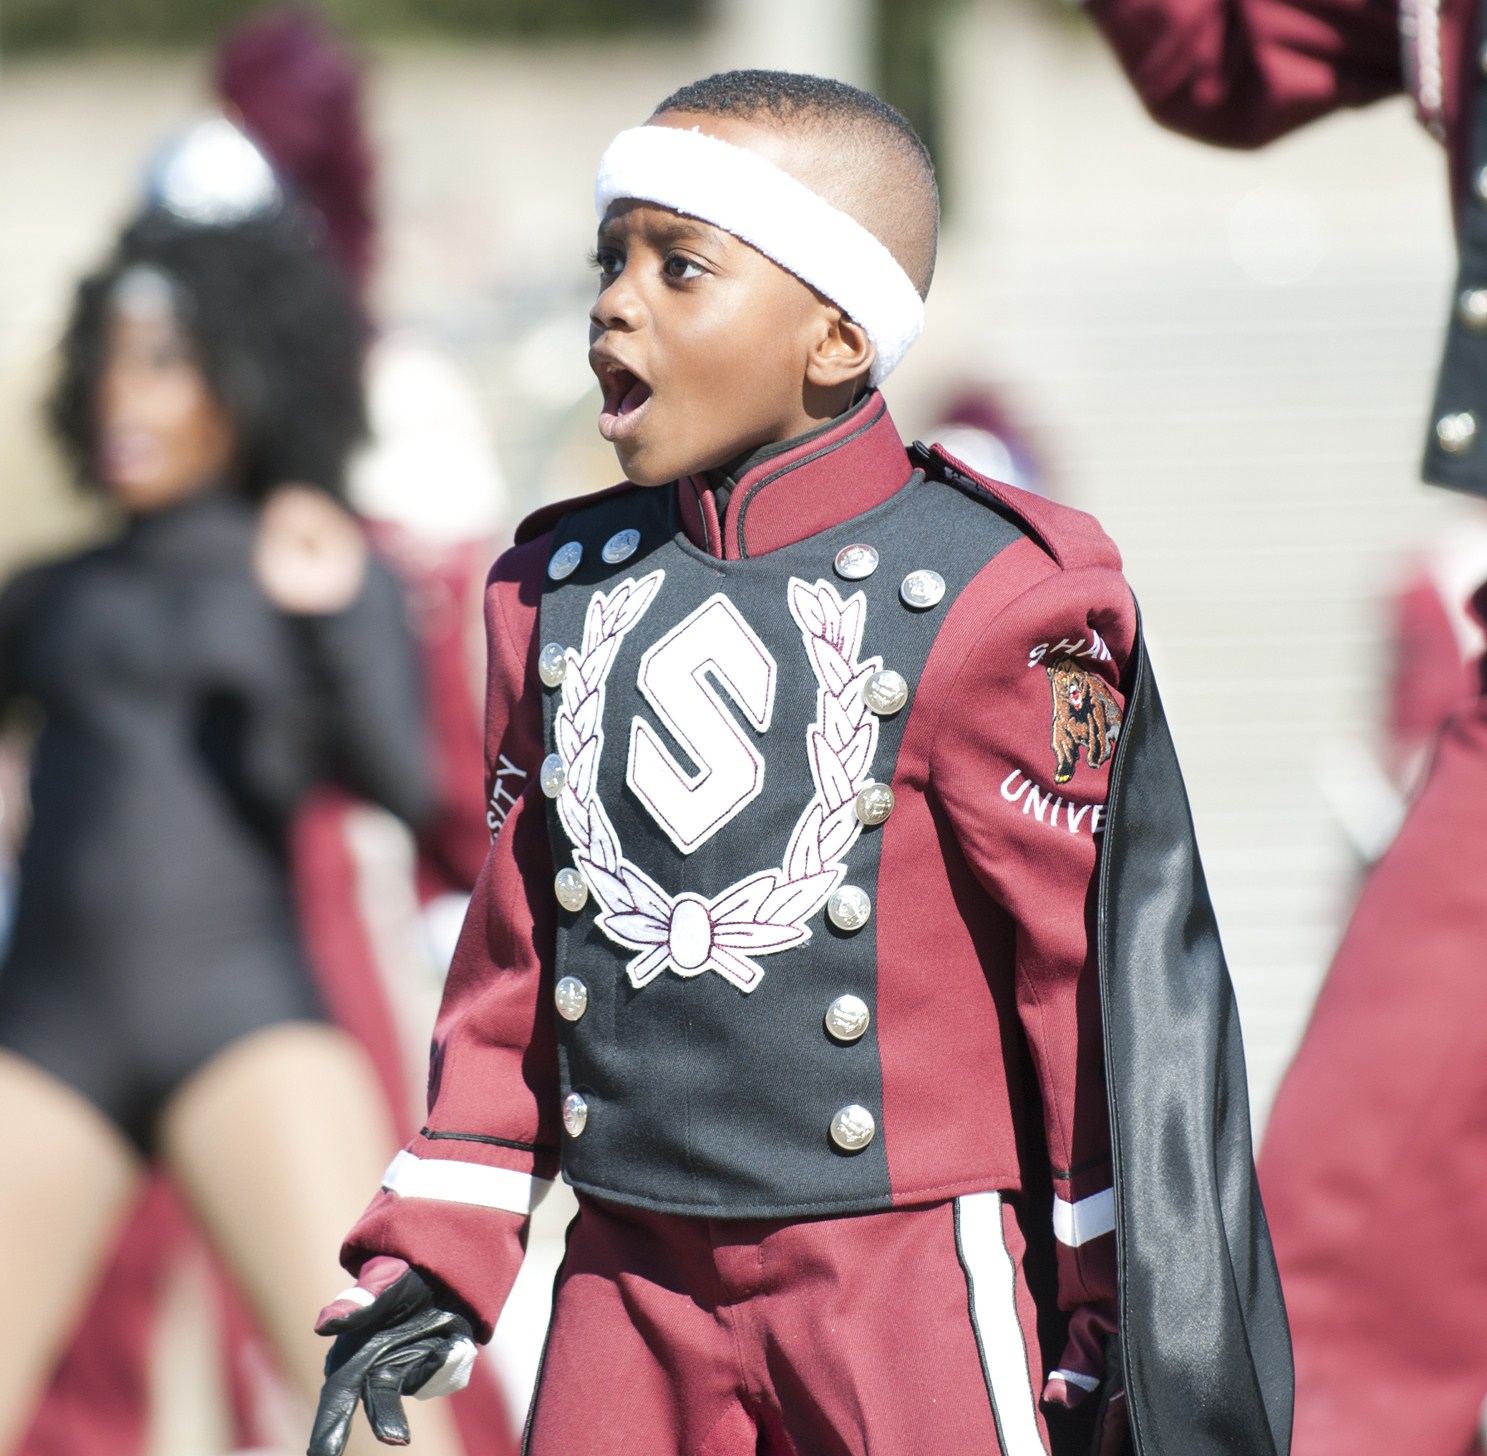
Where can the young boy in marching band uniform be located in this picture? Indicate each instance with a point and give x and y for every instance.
(789, 951)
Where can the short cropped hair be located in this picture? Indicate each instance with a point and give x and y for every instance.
(900, 203)
(278, 335)
(789, 94)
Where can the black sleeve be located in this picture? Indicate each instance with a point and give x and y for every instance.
(1209, 1374)
(19, 601)
(372, 724)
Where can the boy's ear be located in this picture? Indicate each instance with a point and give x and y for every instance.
(841, 353)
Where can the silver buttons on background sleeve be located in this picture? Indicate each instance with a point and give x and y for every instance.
(552, 664)
(572, 892)
(855, 562)
(552, 775)
(874, 804)
(576, 1114)
(571, 997)
(847, 1018)
(1471, 309)
(849, 907)
(885, 692)
(922, 590)
(1456, 433)
(620, 547)
(852, 1128)
(565, 560)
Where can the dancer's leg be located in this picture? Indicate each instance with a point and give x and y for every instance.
(279, 1142)
(69, 1175)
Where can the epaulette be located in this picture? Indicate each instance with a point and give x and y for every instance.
(544, 518)
(1072, 538)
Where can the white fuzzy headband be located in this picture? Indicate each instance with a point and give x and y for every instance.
(738, 191)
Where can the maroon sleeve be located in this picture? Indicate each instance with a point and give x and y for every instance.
(1022, 765)
(455, 1201)
(1240, 73)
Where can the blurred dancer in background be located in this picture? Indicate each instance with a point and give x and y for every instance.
(1375, 1159)
(426, 487)
(198, 674)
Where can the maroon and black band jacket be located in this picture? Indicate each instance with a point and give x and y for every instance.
(792, 904)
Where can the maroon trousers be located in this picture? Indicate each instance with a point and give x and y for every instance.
(895, 1333)
(1374, 1166)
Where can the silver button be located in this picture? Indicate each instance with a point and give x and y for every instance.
(1456, 433)
(885, 692)
(1482, 60)
(552, 775)
(576, 1114)
(1471, 309)
(565, 560)
(571, 997)
(1479, 185)
(852, 1128)
(568, 885)
(847, 1018)
(922, 590)
(874, 803)
(620, 547)
(552, 664)
(855, 562)
(849, 907)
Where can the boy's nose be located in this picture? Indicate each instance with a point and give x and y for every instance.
(617, 307)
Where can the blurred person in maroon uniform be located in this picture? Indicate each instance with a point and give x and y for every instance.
(1375, 1160)
(427, 489)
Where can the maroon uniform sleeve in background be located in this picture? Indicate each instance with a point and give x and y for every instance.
(1022, 765)
(455, 1202)
(1240, 73)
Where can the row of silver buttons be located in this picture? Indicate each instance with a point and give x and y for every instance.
(852, 1128)
(920, 589)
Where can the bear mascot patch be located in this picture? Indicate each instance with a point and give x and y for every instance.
(1084, 714)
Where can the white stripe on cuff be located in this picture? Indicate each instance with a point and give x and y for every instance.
(1078, 1223)
(1074, 1377)
(474, 1183)
(355, 1295)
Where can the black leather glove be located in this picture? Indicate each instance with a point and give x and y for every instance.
(406, 1341)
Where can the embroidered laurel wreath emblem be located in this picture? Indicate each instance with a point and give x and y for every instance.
(766, 912)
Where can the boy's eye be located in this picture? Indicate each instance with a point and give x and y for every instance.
(608, 262)
(680, 268)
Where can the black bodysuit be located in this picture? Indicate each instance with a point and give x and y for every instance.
(185, 719)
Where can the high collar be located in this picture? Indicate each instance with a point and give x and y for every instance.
(204, 530)
(783, 493)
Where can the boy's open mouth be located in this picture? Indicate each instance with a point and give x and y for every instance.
(626, 395)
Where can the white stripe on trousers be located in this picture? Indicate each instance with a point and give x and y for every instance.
(991, 1276)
